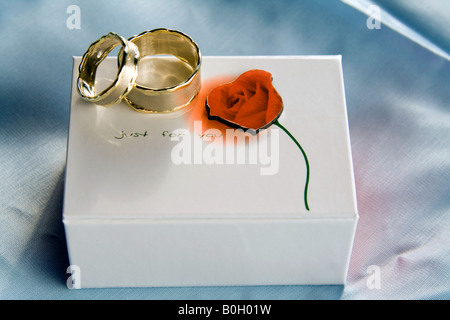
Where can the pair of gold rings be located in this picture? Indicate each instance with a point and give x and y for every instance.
(158, 71)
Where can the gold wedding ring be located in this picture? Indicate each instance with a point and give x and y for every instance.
(126, 74)
(169, 71)
(158, 71)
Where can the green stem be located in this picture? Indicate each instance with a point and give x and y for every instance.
(304, 156)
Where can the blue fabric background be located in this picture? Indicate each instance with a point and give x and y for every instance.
(399, 114)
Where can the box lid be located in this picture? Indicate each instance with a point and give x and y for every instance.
(122, 164)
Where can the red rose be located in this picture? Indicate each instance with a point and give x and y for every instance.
(250, 102)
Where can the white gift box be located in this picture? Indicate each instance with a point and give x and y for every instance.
(167, 200)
